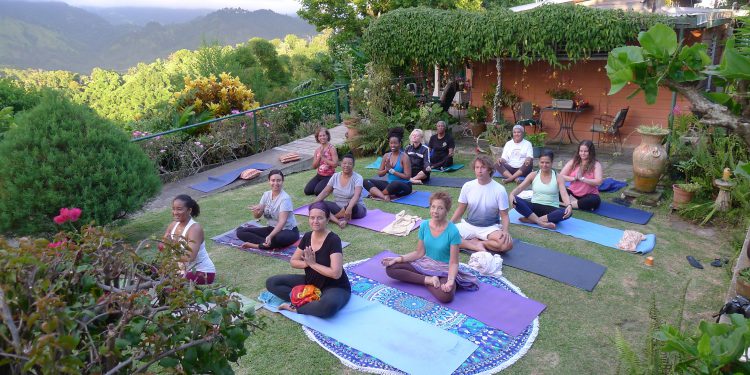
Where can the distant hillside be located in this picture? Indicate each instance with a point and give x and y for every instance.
(141, 16)
(56, 36)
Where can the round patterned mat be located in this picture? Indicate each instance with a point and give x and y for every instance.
(496, 350)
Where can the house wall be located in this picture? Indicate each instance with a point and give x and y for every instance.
(589, 78)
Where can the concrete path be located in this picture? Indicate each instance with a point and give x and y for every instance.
(305, 147)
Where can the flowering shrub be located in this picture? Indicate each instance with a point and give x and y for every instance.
(219, 97)
(62, 153)
(89, 303)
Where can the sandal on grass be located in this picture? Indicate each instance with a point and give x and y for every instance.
(694, 262)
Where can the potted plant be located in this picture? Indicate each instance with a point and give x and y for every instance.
(683, 193)
(562, 97)
(496, 136)
(537, 141)
(743, 283)
(476, 117)
(351, 121)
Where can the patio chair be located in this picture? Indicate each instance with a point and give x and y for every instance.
(608, 127)
(525, 115)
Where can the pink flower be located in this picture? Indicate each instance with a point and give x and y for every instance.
(234, 111)
(676, 110)
(67, 214)
(53, 245)
(160, 246)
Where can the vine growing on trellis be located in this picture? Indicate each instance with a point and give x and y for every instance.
(425, 36)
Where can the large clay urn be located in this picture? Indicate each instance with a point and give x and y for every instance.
(649, 161)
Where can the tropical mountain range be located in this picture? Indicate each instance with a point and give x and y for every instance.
(57, 36)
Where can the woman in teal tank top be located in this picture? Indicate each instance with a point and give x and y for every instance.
(547, 187)
(396, 165)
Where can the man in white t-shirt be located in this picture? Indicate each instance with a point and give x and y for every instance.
(487, 204)
(517, 158)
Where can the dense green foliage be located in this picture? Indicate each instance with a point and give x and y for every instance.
(426, 36)
(88, 303)
(62, 154)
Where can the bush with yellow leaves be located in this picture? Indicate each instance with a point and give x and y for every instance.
(218, 97)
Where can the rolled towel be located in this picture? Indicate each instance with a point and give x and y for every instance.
(289, 157)
(249, 174)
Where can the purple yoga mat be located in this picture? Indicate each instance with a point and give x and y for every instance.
(374, 220)
(490, 305)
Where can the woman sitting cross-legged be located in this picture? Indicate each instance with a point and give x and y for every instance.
(325, 161)
(396, 165)
(196, 264)
(319, 254)
(419, 158)
(547, 186)
(435, 261)
(585, 175)
(346, 187)
(276, 206)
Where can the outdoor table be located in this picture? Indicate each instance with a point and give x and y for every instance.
(566, 118)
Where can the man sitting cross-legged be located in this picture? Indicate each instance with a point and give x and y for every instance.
(487, 204)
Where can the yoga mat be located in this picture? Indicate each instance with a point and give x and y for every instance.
(610, 185)
(493, 306)
(567, 269)
(589, 231)
(406, 343)
(375, 220)
(215, 182)
(229, 238)
(519, 179)
(375, 164)
(452, 168)
(454, 182)
(416, 198)
(616, 211)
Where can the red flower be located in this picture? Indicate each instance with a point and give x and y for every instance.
(53, 245)
(160, 246)
(67, 214)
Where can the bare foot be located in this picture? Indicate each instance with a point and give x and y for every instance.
(524, 219)
(415, 181)
(386, 198)
(342, 224)
(249, 245)
(474, 245)
(547, 224)
(432, 281)
(287, 307)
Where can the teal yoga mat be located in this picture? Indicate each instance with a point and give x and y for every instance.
(406, 343)
(452, 168)
(375, 164)
(593, 232)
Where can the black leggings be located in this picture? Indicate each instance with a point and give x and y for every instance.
(526, 208)
(258, 236)
(397, 188)
(316, 184)
(406, 272)
(588, 202)
(446, 161)
(359, 211)
(331, 300)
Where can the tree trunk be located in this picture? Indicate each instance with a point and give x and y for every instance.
(497, 113)
(711, 113)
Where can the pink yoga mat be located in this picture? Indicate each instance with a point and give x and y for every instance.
(374, 220)
(493, 306)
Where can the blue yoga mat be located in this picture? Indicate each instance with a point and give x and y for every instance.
(610, 185)
(408, 344)
(416, 198)
(616, 211)
(567, 269)
(519, 179)
(454, 182)
(375, 164)
(215, 182)
(591, 232)
(452, 168)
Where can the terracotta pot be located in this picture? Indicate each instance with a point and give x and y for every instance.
(743, 288)
(351, 131)
(680, 196)
(649, 161)
(478, 128)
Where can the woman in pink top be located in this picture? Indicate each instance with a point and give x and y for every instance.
(584, 173)
(326, 159)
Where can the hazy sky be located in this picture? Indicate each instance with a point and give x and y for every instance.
(279, 6)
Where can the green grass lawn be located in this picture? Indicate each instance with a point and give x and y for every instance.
(576, 329)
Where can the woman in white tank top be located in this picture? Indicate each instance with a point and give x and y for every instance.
(197, 265)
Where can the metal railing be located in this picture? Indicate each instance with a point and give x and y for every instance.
(335, 89)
